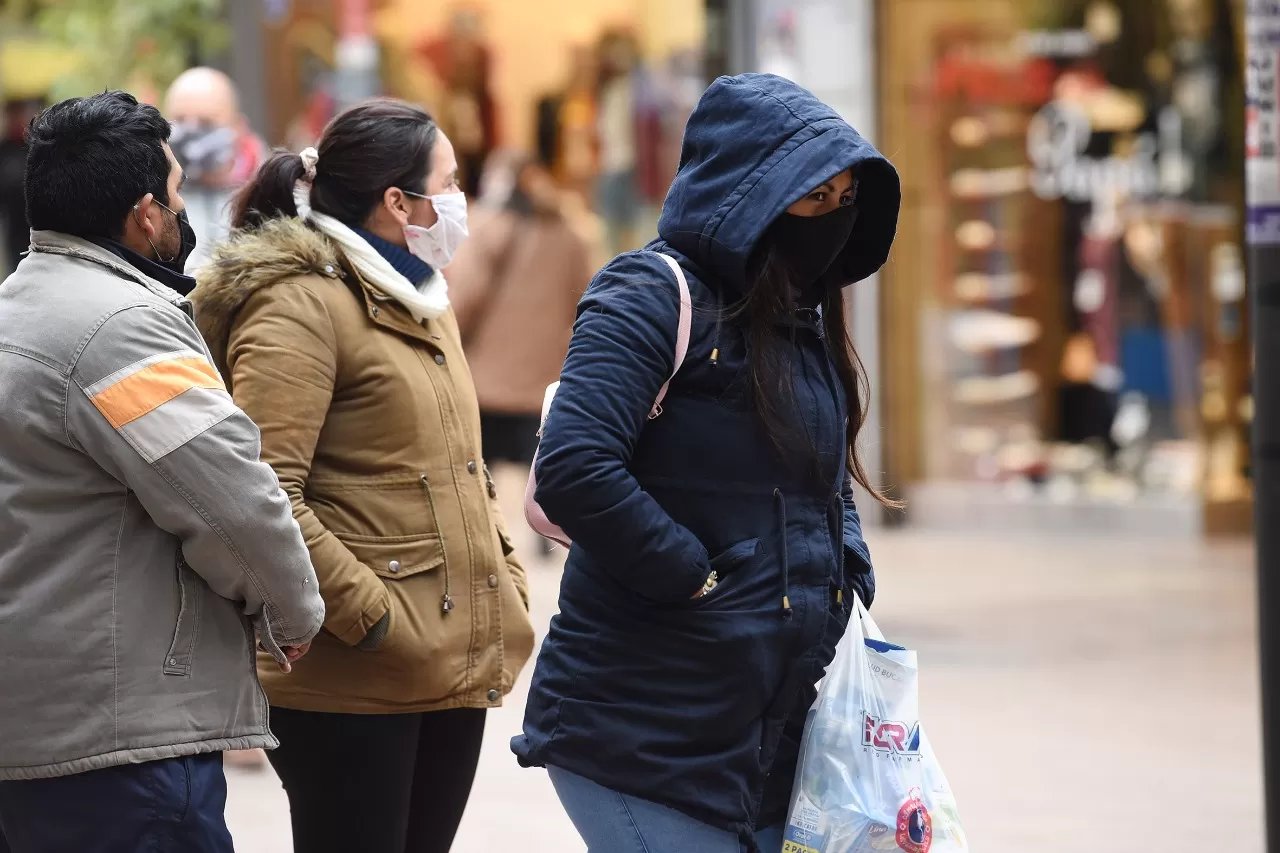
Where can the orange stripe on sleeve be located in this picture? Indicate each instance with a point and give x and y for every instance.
(152, 387)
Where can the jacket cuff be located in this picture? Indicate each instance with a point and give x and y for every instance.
(376, 634)
(859, 576)
(360, 628)
(689, 578)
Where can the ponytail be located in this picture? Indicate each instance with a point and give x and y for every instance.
(269, 193)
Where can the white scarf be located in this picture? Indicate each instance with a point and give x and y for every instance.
(425, 302)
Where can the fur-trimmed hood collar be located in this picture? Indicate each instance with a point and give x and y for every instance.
(249, 261)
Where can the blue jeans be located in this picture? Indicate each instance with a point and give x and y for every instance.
(175, 805)
(611, 822)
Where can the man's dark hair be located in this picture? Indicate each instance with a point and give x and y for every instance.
(89, 160)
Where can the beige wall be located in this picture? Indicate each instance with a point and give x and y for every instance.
(530, 42)
(670, 25)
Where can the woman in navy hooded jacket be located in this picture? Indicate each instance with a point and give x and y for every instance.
(716, 548)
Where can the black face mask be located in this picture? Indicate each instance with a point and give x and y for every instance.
(808, 245)
(178, 263)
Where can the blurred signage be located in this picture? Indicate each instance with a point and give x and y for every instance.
(1061, 44)
(1262, 123)
(979, 79)
(1058, 137)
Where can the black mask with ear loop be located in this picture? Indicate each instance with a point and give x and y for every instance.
(178, 263)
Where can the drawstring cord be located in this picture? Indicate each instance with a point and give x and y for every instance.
(781, 503)
(446, 601)
(835, 518)
(715, 345)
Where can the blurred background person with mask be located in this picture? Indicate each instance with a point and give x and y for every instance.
(515, 286)
(213, 141)
(13, 163)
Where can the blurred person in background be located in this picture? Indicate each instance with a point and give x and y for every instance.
(212, 140)
(716, 549)
(13, 163)
(469, 113)
(330, 320)
(630, 129)
(515, 285)
(141, 539)
(568, 122)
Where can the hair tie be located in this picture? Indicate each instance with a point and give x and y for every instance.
(310, 158)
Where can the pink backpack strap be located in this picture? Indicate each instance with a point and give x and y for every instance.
(683, 331)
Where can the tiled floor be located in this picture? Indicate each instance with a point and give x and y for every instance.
(1083, 696)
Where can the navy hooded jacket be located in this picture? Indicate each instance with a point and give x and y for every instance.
(699, 704)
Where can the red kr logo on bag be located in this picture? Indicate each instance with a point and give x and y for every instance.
(890, 736)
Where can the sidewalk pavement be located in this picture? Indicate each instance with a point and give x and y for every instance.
(1084, 696)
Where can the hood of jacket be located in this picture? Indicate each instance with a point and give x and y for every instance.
(249, 261)
(755, 145)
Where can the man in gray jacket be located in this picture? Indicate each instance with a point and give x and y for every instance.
(144, 548)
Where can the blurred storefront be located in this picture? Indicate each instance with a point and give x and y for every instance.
(482, 67)
(1065, 323)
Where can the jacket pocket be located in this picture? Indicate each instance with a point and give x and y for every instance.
(187, 630)
(731, 566)
(396, 557)
(424, 655)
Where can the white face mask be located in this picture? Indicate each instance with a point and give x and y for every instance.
(438, 244)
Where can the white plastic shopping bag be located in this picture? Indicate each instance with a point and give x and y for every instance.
(867, 781)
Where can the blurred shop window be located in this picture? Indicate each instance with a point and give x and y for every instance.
(1089, 302)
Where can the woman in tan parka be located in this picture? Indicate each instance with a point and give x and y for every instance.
(334, 332)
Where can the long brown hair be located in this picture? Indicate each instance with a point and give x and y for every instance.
(770, 297)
